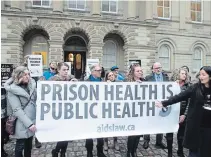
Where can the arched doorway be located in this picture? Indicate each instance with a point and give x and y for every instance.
(36, 43)
(75, 49)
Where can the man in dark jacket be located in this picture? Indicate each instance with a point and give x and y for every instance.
(95, 77)
(156, 76)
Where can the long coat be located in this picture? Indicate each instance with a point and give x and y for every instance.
(194, 116)
(22, 105)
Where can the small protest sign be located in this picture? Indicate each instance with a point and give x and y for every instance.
(35, 65)
(6, 72)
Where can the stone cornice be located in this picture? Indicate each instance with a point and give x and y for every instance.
(138, 47)
(66, 16)
(184, 34)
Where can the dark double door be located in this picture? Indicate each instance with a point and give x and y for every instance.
(78, 63)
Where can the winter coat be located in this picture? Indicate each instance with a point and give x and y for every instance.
(22, 105)
(194, 116)
(58, 78)
(151, 78)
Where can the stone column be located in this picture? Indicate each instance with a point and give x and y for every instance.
(182, 7)
(95, 51)
(16, 5)
(131, 9)
(2, 5)
(149, 10)
(187, 11)
(57, 6)
(96, 7)
(55, 51)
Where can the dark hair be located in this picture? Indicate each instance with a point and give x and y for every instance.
(106, 76)
(60, 64)
(103, 73)
(186, 67)
(207, 69)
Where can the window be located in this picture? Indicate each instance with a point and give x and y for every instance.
(197, 58)
(163, 9)
(77, 4)
(109, 54)
(196, 10)
(109, 6)
(164, 56)
(37, 45)
(41, 3)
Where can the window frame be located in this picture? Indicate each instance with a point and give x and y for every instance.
(77, 5)
(116, 47)
(30, 44)
(202, 58)
(42, 6)
(202, 11)
(111, 12)
(169, 56)
(165, 18)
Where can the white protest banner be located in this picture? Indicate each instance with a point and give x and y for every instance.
(82, 110)
(35, 65)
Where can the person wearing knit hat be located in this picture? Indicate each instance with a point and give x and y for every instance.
(118, 76)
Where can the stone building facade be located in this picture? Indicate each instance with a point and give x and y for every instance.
(175, 33)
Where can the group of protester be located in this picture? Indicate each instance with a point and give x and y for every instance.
(195, 115)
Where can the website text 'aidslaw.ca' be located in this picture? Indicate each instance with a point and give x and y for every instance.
(114, 128)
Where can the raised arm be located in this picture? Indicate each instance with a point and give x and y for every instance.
(180, 97)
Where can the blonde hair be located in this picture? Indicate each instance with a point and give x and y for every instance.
(130, 76)
(18, 73)
(176, 75)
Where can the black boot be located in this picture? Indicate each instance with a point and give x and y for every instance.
(128, 154)
(180, 152)
(54, 153)
(89, 154)
(100, 152)
(134, 154)
(169, 147)
(170, 154)
(146, 145)
(37, 143)
(62, 154)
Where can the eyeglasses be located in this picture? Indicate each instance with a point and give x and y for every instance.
(158, 68)
(98, 70)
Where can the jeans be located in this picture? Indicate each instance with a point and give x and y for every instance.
(23, 144)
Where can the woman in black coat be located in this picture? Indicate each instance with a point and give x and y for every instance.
(198, 127)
